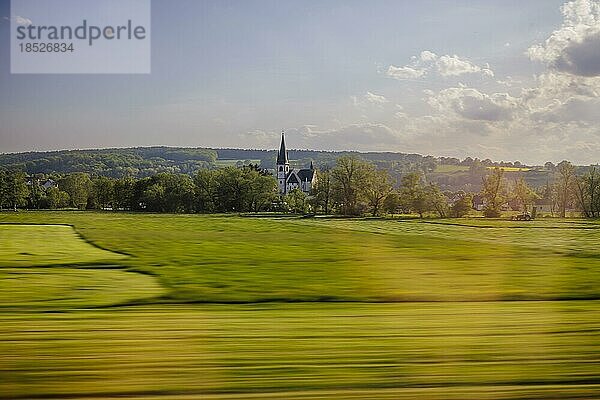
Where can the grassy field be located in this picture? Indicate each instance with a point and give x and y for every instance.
(27, 245)
(392, 308)
(233, 259)
(490, 350)
(512, 169)
(448, 168)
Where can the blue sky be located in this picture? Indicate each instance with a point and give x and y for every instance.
(448, 78)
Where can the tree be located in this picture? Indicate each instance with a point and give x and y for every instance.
(565, 179)
(103, 191)
(78, 186)
(587, 193)
(413, 196)
(124, 193)
(462, 205)
(296, 200)
(3, 189)
(56, 198)
(13, 190)
(322, 192)
(494, 192)
(205, 190)
(36, 193)
(169, 193)
(232, 194)
(262, 190)
(523, 194)
(378, 185)
(349, 178)
(391, 203)
(437, 200)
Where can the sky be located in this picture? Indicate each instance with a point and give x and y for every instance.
(506, 80)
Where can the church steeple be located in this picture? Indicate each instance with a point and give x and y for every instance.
(283, 166)
(282, 157)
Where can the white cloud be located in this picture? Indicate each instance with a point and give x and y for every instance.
(427, 56)
(369, 102)
(557, 114)
(446, 66)
(454, 66)
(405, 72)
(575, 47)
(375, 98)
(471, 104)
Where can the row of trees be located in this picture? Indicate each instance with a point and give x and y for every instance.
(568, 191)
(352, 187)
(223, 190)
(356, 187)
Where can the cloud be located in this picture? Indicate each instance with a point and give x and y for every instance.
(470, 103)
(375, 98)
(401, 73)
(580, 110)
(369, 102)
(555, 114)
(368, 136)
(446, 66)
(455, 66)
(575, 47)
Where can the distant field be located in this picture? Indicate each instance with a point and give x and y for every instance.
(226, 162)
(512, 169)
(439, 329)
(445, 169)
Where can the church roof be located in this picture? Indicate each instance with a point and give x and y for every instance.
(292, 178)
(282, 157)
(306, 174)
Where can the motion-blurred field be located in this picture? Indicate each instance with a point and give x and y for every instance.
(243, 259)
(419, 307)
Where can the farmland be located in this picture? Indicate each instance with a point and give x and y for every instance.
(181, 306)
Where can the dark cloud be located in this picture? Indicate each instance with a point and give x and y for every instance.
(581, 58)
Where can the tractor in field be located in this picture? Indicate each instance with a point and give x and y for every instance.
(522, 217)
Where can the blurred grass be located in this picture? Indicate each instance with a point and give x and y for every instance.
(234, 259)
(47, 267)
(52, 344)
(426, 350)
(27, 245)
(63, 288)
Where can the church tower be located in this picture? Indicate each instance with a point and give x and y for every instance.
(283, 166)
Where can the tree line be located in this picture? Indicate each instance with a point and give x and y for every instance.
(566, 192)
(228, 189)
(353, 186)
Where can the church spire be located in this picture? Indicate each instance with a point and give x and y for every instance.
(282, 157)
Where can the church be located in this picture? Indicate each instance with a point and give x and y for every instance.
(289, 179)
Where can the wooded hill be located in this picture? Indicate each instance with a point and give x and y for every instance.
(448, 173)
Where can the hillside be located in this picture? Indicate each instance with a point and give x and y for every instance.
(449, 173)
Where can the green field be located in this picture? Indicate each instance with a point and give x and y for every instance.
(188, 306)
(512, 169)
(449, 168)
